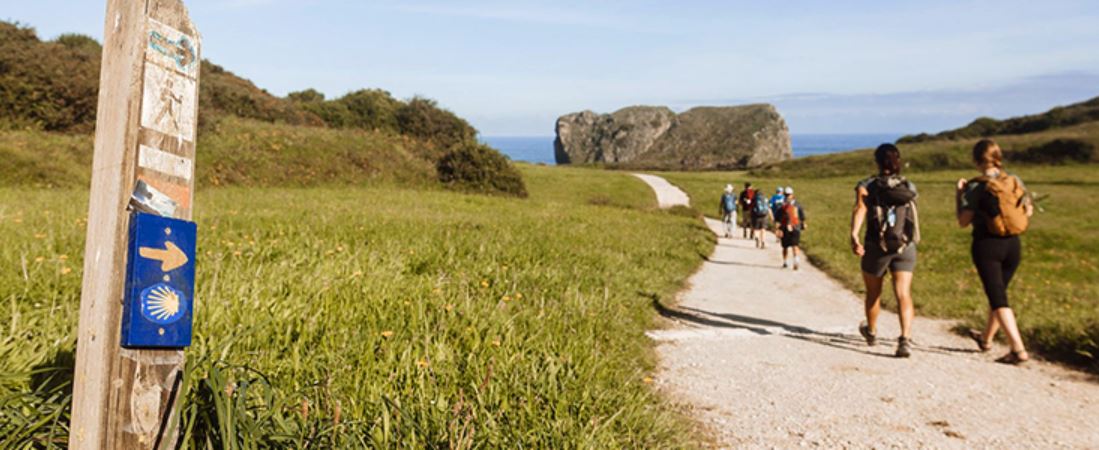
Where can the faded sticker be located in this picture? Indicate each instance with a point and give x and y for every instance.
(181, 194)
(150, 200)
(161, 161)
(171, 48)
(168, 103)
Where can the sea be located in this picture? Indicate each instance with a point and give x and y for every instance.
(539, 149)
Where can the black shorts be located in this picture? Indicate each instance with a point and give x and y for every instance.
(759, 222)
(997, 259)
(791, 238)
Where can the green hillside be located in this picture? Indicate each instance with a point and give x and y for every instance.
(1059, 117)
(48, 96)
(1074, 144)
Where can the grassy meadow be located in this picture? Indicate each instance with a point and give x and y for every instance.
(380, 316)
(1055, 292)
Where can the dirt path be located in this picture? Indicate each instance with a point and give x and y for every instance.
(770, 358)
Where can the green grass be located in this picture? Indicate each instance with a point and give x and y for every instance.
(419, 318)
(237, 152)
(1055, 292)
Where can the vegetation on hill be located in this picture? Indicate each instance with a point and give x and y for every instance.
(52, 86)
(1055, 292)
(1059, 117)
(1068, 145)
(380, 317)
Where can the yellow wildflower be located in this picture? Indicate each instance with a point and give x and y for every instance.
(387, 334)
(422, 363)
(495, 342)
(65, 270)
(484, 283)
(647, 380)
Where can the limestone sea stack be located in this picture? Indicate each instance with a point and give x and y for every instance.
(702, 138)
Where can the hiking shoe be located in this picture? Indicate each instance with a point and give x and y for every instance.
(1014, 358)
(903, 347)
(864, 330)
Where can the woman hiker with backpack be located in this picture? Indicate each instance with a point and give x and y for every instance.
(887, 202)
(999, 207)
(760, 217)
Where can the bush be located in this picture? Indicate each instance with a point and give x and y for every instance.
(422, 118)
(53, 85)
(1058, 151)
(474, 167)
(369, 109)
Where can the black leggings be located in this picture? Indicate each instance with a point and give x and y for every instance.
(996, 260)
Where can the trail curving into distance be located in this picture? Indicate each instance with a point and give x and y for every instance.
(771, 358)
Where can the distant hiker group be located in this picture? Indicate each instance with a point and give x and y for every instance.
(781, 212)
(996, 204)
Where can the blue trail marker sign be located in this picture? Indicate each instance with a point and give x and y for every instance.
(160, 283)
(137, 300)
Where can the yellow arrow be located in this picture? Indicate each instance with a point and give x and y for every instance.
(171, 257)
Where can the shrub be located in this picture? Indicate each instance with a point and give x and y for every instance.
(422, 118)
(474, 167)
(370, 109)
(53, 85)
(307, 96)
(1058, 151)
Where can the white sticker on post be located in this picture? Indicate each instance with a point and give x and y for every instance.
(164, 162)
(168, 103)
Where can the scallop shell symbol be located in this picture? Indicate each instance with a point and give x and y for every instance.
(162, 304)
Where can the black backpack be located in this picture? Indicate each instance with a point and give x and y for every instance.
(893, 215)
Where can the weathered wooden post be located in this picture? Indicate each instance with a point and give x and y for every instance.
(137, 299)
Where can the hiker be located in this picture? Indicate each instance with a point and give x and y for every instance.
(887, 202)
(999, 208)
(760, 217)
(788, 226)
(727, 210)
(745, 201)
(777, 201)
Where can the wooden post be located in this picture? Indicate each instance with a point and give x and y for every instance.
(145, 131)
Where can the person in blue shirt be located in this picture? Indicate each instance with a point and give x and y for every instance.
(776, 202)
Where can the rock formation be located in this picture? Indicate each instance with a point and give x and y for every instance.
(655, 137)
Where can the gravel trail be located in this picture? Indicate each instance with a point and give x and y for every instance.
(771, 358)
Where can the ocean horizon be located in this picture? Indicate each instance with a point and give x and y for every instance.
(539, 149)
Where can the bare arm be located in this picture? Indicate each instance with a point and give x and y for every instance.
(964, 216)
(858, 215)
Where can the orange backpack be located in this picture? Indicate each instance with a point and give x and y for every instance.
(1010, 219)
(790, 218)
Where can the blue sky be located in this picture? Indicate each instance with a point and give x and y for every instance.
(512, 67)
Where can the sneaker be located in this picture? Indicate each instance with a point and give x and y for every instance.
(784, 265)
(903, 347)
(864, 330)
(795, 266)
